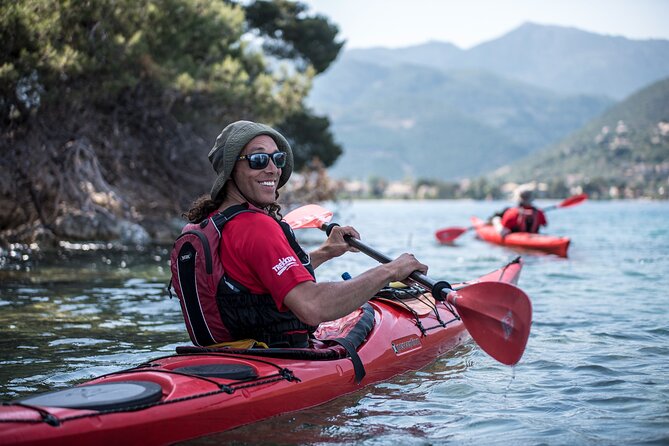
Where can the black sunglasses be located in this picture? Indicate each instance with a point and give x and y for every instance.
(261, 160)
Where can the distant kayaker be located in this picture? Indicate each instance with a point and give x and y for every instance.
(270, 293)
(523, 218)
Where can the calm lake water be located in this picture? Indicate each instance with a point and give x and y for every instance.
(596, 368)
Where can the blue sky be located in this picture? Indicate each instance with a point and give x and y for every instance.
(466, 23)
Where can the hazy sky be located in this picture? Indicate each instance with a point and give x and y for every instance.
(466, 23)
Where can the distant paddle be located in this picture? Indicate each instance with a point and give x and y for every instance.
(568, 202)
(448, 235)
(497, 315)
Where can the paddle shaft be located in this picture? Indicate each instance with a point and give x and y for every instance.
(382, 258)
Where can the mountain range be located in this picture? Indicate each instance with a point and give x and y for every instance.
(436, 111)
(628, 146)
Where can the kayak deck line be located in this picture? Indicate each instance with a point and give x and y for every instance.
(221, 388)
(247, 386)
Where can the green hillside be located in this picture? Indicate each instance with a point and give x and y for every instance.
(410, 120)
(626, 148)
(463, 113)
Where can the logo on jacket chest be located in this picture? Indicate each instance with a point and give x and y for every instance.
(284, 264)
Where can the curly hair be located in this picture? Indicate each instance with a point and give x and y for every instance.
(204, 205)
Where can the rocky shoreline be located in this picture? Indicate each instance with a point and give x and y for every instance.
(108, 216)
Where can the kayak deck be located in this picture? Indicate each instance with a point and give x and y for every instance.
(204, 391)
(549, 244)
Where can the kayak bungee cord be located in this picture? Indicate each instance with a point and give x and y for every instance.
(401, 295)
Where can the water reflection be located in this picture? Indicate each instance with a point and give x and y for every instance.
(90, 310)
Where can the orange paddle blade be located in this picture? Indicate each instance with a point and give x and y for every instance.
(498, 316)
(309, 216)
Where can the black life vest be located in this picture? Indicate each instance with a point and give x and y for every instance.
(255, 316)
(217, 308)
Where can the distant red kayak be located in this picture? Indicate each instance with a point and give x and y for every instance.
(539, 242)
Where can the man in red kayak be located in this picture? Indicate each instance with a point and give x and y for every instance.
(269, 292)
(523, 218)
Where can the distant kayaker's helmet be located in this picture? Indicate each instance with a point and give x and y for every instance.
(232, 141)
(526, 197)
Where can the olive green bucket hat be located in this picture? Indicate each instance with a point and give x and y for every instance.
(230, 143)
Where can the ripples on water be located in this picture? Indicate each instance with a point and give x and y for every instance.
(595, 370)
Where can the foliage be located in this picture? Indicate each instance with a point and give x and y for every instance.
(310, 137)
(103, 103)
(292, 35)
(92, 51)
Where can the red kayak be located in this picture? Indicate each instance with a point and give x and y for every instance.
(539, 242)
(201, 391)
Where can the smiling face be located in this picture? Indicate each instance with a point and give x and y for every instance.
(258, 186)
